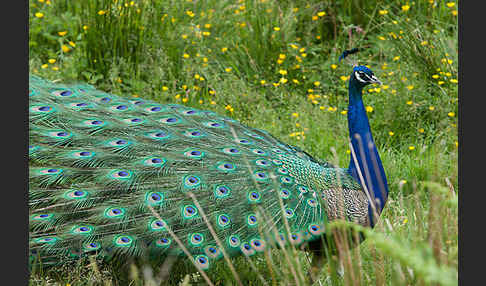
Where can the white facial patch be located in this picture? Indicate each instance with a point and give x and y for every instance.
(363, 77)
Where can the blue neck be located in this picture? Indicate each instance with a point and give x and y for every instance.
(367, 157)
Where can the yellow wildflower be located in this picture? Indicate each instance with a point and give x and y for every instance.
(101, 12)
(55, 68)
(51, 61)
(383, 12)
(333, 66)
(224, 49)
(190, 13)
(396, 58)
(405, 8)
(65, 48)
(381, 38)
(282, 56)
(343, 78)
(39, 15)
(228, 69)
(440, 82)
(454, 13)
(410, 87)
(421, 130)
(369, 109)
(317, 83)
(451, 114)
(391, 133)
(185, 99)
(321, 14)
(62, 33)
(453, 80)
(314, 18)
(186, 56)
(262, 82)
(165, 88)
(295, 114)
(276, 28)
(283, 80)
(344, 112)
(44, 66)
(72, 44)
(431, 108)
(411, 148)
(436, 76)
(282, 72)
(450, 4)
(206, 33)
(409, 102)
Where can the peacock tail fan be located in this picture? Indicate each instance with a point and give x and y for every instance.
(124, 178)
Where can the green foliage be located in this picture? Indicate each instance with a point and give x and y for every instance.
(259, 62)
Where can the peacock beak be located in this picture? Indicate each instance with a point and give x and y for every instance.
(374, 79)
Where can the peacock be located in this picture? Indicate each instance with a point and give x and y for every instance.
(120, 178)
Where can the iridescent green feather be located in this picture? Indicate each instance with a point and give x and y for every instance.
(99, 162)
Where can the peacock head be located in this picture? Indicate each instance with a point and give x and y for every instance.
(363, 76)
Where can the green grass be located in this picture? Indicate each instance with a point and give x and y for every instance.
(232, 47)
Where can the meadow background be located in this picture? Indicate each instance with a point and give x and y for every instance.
(274, 65)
